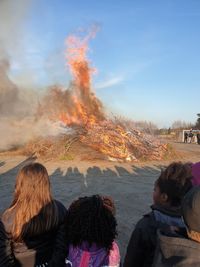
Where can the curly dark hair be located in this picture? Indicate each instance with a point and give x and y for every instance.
(92, 219)
(175, 181)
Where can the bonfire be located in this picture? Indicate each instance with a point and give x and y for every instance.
(79, 109)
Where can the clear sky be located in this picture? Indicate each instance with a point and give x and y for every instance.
(147, 52)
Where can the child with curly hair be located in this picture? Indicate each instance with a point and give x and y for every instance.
(171, 186)
(91, 233)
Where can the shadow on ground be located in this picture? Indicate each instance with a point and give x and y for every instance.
(2, 163)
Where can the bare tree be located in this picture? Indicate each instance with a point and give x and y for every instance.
(197, 125)
(177, 125)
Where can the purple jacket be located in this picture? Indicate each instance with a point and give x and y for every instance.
(85, 256)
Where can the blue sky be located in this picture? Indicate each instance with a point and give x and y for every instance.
(146, 52)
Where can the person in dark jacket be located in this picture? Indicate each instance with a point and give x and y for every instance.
(178, 248)
(7, 258)
(198, 138)
(35, 221)
(190, 135)
(185, 137)
(169, 189)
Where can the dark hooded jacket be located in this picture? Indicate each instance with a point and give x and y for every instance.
(175, 250)
(6, 256)
(142, 244)
(48, 249)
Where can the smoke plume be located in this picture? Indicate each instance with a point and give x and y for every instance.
(18, 106)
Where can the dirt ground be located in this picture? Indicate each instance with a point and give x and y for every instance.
(130, 184)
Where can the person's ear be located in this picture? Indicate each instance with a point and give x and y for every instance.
(164, 198)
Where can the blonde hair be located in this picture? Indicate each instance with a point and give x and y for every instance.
(33, 210)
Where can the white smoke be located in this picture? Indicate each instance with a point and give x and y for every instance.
(19, 117)
(12, 17)
(16, 133)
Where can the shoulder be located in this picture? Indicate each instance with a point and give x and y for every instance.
(62, 211)
(172, 248)
(60, 206)
(148, 220)
(6, 256)
(2, 231)
(145, 230)
(114, 255)
(1, 225)
(6, 223)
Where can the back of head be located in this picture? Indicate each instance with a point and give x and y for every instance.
(32, 202)
(191, 209)
(175, 182)
(32, 182)
(91, 219)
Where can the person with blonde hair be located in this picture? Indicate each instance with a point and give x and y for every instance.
(35, 220)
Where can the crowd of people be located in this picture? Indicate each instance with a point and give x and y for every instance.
(37, 231)
(192, 137)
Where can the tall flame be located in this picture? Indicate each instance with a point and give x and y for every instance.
(76, 56)
(87, 109)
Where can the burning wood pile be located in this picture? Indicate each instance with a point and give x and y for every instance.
(78, 108)
(108, 139)
(117, 143)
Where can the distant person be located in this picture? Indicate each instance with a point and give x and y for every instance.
(195, 138)
(190, 135)
(35, 221)
(178, 247)
(185, 137)
(169, 190)
(198, 138)
(91, 233)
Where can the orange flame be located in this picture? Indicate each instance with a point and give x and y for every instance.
(77, 49)
(85, 108)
